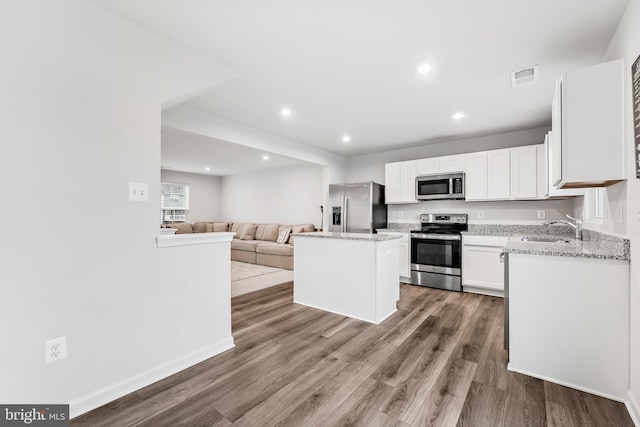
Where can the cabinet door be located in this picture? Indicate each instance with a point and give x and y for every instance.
(555, 137)
(551, 190)
(427, 166)
(392, 182)
(499, 174)
(408, 181)
(404, 259)
(476, 176)
(483, 267)
(524, 172)
(452, 164)
(592, 125)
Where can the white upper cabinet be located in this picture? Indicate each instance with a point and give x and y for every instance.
(452, 164)
(475, 181)
(427, 166)
(445, 164)
(550, 152)
(524, 172)
(400, 182)
(499, 174)
(588, 127)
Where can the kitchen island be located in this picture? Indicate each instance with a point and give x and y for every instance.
(352, 274)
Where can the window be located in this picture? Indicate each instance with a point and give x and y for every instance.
(174, 202)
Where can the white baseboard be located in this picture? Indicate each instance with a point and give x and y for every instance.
(110, 393)
(633, 407)
(570, 385)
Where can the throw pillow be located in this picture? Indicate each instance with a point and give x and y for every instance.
(283, 236)
(249, 232)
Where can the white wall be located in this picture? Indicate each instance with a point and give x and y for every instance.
(511, 212)
(626, 43)
(288, 195)
(80, 109)
(371, 166)
(204, 194)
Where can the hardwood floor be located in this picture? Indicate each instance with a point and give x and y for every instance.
(438, 361)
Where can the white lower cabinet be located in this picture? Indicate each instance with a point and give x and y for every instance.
(482, 264)
(569, 321)
(404, 257)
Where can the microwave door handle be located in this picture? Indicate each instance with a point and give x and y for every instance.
(451, 186)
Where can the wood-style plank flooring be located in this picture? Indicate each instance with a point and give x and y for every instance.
(437, 361)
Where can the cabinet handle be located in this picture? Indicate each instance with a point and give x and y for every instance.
(502, 255)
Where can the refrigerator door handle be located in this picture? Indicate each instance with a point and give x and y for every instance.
(345, 214)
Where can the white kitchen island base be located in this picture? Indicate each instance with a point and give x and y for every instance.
(355, 275)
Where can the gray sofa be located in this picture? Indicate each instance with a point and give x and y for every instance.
(253, 243)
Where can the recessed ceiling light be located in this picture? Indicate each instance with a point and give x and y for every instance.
(424, 68)
(207, 168)
(265, 157)
(346, 138)
(458, 116)
(285, 112)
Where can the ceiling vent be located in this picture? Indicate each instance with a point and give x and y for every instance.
(524, 76)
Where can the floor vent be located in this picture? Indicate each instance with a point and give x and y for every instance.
(524, 76)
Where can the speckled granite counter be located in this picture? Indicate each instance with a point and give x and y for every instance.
(348, 236)
(595, 245)
(602, 249)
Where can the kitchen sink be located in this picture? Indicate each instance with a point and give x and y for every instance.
(545, 239)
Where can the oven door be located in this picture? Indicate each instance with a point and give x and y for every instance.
(436, 253)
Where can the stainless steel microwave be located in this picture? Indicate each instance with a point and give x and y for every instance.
(440, 187)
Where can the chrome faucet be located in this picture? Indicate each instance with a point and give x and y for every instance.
(577, 226)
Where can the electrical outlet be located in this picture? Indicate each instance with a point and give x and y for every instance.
(400, 215)
(480, 214)
(542, 214)
(621, 213)
(55, 350)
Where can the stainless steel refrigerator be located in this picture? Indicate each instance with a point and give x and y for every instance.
(357, 208)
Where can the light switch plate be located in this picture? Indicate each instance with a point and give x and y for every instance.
(138, 192)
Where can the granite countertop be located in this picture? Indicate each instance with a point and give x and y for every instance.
(601, 249)
(348, 236)
(392, 230)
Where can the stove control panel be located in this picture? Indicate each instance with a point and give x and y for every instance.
(443, 218)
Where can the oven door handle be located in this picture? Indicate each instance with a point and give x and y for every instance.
(436, 236)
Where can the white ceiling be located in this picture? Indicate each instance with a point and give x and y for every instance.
(187, 152)
(349, 66)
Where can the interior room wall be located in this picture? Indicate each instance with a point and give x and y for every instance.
(82, 90)
(288, 195)
(511, 212)
(626, 44)
(371, 166)
(204, 193)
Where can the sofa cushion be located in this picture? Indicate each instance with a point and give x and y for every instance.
(220, 226)
(237, 227)
(183, 228)
(249, 232)
(245, 245)
(273, 248)
(199, 227)
(268, 232)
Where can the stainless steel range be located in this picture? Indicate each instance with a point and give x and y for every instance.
(436, 251)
